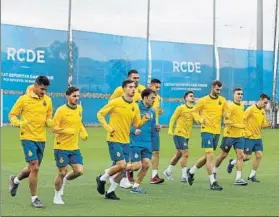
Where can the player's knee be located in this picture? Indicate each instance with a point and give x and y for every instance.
(209, 156)
(259, 155)
(137, 166)
(122, 165)
(155, 154)
(146, 164)
(240, 156)
(79, 172)
(34, 166)
(63, 173)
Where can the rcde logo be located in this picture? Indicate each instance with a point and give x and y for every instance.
(25, 55)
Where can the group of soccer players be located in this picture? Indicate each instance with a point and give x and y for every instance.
(133, 135)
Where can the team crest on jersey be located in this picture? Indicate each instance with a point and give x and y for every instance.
(44, 103)
(61, 160)
(118, 154)
(220, 103)
(30, 154)
(133, 109)
(136, 155)
(139, 91)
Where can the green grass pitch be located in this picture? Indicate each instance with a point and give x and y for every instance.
(170, 198)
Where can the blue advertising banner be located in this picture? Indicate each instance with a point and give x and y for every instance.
(102, 60)
(182, 67)
(248, 69)
(29, 52)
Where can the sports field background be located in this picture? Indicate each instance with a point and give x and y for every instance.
(172, 198)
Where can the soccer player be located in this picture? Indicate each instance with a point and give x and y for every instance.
(35, 109)
(141, 151)
(134, 76)
(67, 128)
(155, 85)
(254, 120)
(211, 109)
(182, 119)
(123, 113)
(233, 136)
(118, 92)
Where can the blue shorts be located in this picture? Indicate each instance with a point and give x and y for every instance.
(180, 142)
(119, 151)
(156, 142)
(228, 142)
(64, 157)
(252, 145)
(33, 150)
(139, 153)
(209, 141)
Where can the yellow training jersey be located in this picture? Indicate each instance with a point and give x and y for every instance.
(211, 109)
(236, 128)
(157, 106)
(122, 115)
(254, 120)
(183, 118)
(67, 127)
(36, 111)
(118, 92)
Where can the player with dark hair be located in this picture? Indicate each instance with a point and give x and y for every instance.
(233, 136)
(155, 85)
(182, 119)
(134, 76)
(123, 113)
(254, 120)
(211, 109)
(141, 151)
(118, 92)
(35, 109)
(67, 128)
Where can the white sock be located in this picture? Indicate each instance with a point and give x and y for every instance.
(112, 187)
(33, 198)
(215, 169)
(154, 173)
(193, 169)
(233, 162)
(184, 172)
(57, 194)
(136, 185)
(170, 168)
(238, 175)
(104, 177)
(253, 173)
(65, 180)
(16, 181)
(211, 178)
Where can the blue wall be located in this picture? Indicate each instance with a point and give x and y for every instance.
(101, 63)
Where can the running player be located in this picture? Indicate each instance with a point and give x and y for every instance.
(123, 113)
(67, 128)
(35, 109)
(211, 109)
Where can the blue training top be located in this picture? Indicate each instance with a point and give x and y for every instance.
(148, 130)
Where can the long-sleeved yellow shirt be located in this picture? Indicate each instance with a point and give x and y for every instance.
(236, 127)
(183, 118)
(118, 92)
(36, 111)
(254, 120)
(67, 127)
(212, 109)
(122, 115)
